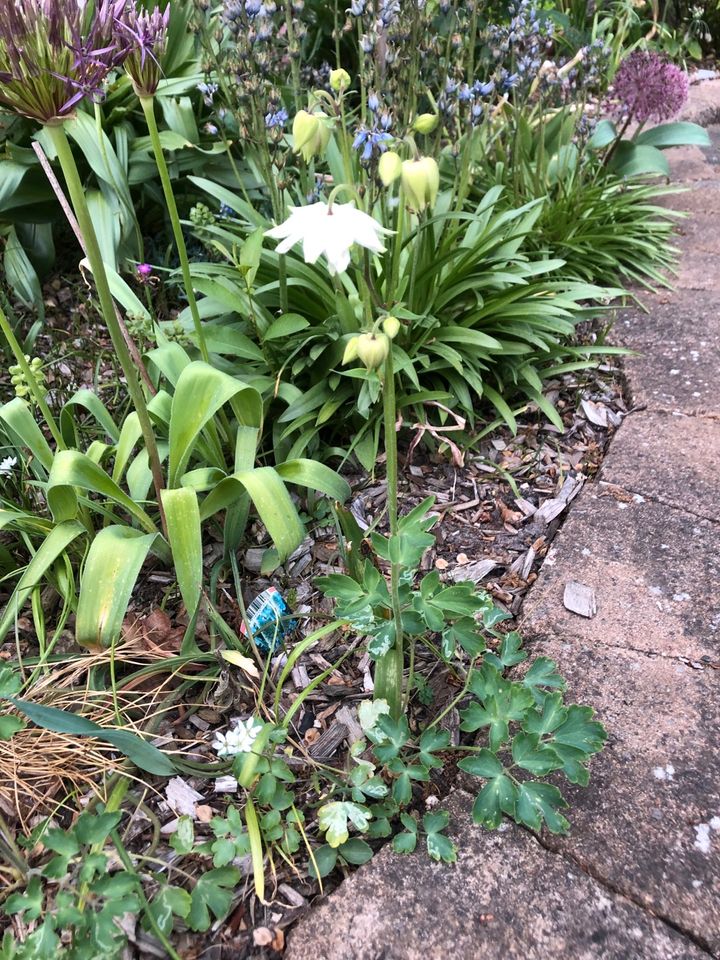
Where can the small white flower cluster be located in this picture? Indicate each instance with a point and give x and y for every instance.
(239, 739)
(7, 465)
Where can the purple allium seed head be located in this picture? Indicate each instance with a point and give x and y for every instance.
(143, 34)
(648, 87)
(53, 53)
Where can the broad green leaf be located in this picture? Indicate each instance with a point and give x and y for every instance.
(678, 134)
(631, 160)
(538, 802)
(182, 517)
(201, 391)
(47, 553)
(88, 401)
(72, 469)
(143, 754)
(285, 326)
(552, 715)
(112, 566)
(272, 502)
(18, 416)
(92, 828)
(316, 476)
(543, 673)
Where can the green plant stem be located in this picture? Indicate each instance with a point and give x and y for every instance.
(10, 850)
(35, 389)
(60, 142)
(130, 867)
(389, 668)
(148, 105)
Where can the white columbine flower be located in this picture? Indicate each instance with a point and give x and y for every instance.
(7, 465)
(239, 739)
(329, 230)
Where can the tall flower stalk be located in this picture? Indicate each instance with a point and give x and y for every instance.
(145, 33)
(58, 137)
(52, 56)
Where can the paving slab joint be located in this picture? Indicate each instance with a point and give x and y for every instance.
(616, 889)
(681, 511)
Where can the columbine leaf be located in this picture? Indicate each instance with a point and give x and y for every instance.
(382, 639)
(404, 842)
(211, 896)
(440, 847)
(10, 725)
(435, 822)
(531, 755)
(483, 764)
(355, 851)
(395, 733)
(509, 653)
(543, 673)
(170, 902)
(573, 761)
(325, 858)
(580, 731)
(538, 802)
(333, 820)
(498, 796)
(552, 716)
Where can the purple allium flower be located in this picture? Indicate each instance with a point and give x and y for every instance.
(648, 87)
(144, 270)
(53, 53)
(142, 34)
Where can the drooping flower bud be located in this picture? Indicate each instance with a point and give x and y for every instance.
(339, 80)
(426, 122)
(351, 350)
(389, 167)
(421, 182)
(391, 326)
(311, 135)
(372, 349)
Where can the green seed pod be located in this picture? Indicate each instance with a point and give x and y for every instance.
(426, 122)
(339, 80)
(391, 326)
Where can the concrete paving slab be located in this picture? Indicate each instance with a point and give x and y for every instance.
(649, 823)
(655, 572)
(678, 342)
(507, 898)
(669, 458)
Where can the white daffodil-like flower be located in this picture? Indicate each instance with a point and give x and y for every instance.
(330, 230)
(7, 465)
(239, 739)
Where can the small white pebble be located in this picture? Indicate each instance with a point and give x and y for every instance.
(702, 838)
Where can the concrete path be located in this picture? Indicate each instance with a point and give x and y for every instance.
(639, 876)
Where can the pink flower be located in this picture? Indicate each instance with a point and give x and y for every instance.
(648, 87)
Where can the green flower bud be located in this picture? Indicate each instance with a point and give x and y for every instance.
(372, 349)
(391, 326)
(389, 167)
(421, 182)
(351, 350)
(426, 122)
(311, 135)
(339, 80)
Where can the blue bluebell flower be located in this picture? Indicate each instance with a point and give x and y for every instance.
(278, 118)
(371, 141)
